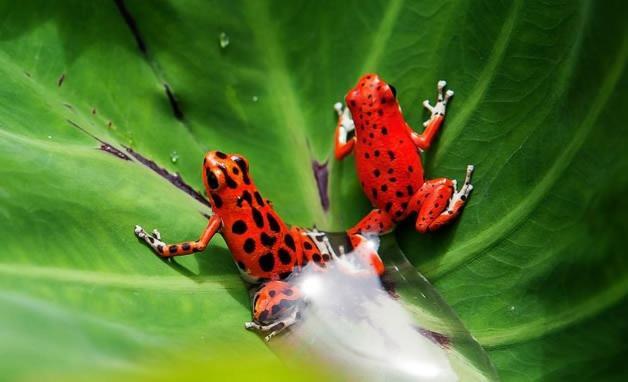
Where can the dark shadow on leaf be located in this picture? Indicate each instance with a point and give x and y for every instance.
(218, 262)
(345, 186)
(215, 265)
(422, 248)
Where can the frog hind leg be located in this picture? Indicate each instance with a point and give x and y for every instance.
(438, 202)
(276, 306)
(377, 222)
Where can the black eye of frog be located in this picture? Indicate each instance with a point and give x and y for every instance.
(394, 91)
(212, 180)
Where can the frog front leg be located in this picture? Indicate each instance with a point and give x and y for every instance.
(184, 248)
(438, 202)
(433, 124)
(343, 145)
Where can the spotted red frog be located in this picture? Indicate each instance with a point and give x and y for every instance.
(388, 160)
(265, 249)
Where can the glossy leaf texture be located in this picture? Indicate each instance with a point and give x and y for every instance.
(535, 267)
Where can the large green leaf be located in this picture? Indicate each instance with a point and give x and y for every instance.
(535, 267)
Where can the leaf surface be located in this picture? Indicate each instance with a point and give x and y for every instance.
(534, 267)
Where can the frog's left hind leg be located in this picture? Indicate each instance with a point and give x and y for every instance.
(276, 306)
(432, 125)
(438, 203)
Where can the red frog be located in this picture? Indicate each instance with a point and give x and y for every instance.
(388, 160)
(265, 249)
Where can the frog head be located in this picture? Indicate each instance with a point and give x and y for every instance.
(372, 96)
(224, 177)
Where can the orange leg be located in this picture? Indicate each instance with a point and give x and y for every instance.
(276, 306)
(369, 255)
(377, 222)
(432, 125)
(437, 202)
(343, 145)
(184, 248)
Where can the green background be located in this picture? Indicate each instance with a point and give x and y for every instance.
(535, 267)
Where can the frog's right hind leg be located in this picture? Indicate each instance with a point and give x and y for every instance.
(438, 202)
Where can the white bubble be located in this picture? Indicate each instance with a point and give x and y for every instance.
(174, 157)
(311, 286)
(223, 40)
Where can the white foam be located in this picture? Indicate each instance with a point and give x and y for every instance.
(353, 323)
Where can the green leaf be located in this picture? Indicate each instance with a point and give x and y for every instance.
(534, 267)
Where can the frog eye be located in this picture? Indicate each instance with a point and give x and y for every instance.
(241, 162)
(213, 180)
(394, 91)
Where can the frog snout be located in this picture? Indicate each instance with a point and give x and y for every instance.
(369, 80)
(214, 157)
(353, 95)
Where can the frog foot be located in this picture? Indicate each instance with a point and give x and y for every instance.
(274, 328)
(156, 234)
(154, 239)
(441, 104)
(345, 122)
(464, 191)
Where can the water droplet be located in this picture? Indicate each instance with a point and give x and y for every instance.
(174, 157)
(255, 98)
(50, 137)
(512, 308)
(224, 40)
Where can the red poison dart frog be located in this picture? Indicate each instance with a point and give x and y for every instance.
(267, 251)
(388, 161)
(264, 248)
